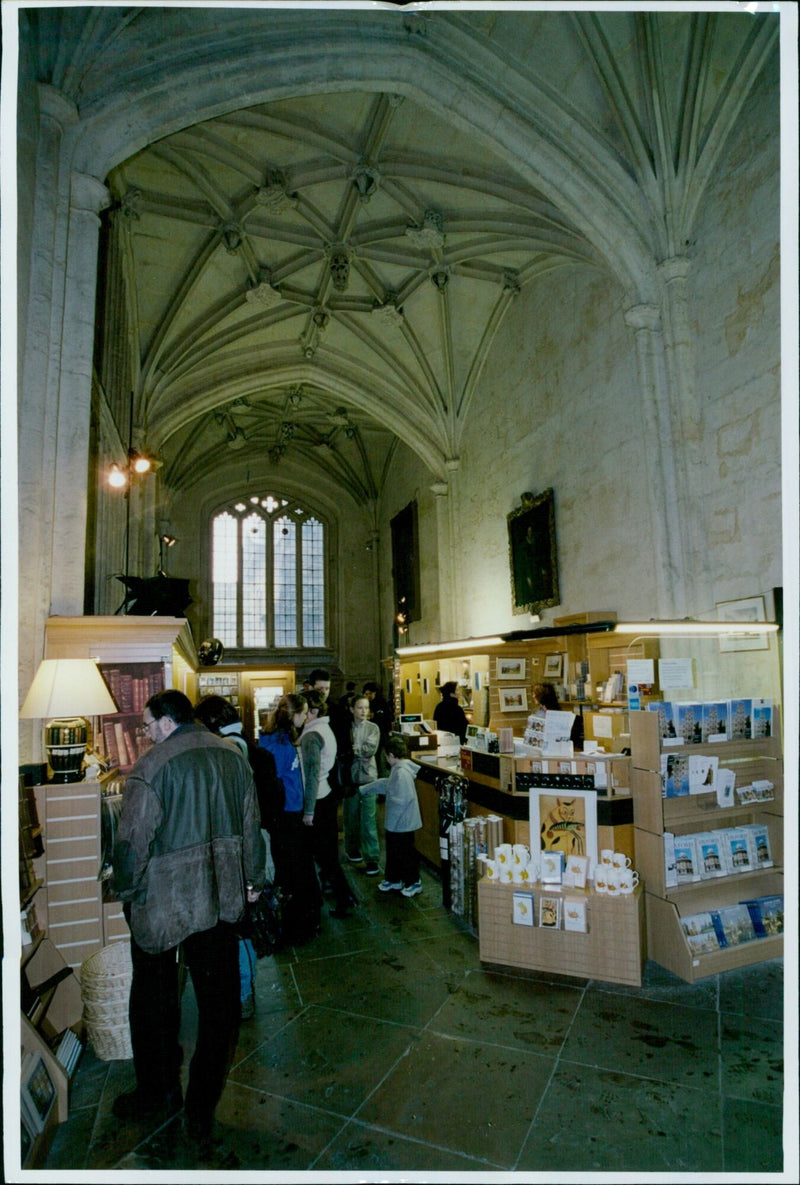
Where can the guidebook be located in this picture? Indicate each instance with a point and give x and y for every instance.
(701, 934)
(733, 924)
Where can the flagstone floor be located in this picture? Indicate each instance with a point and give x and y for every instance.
(385, 1046)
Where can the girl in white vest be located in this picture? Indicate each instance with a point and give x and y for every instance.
(320, 814)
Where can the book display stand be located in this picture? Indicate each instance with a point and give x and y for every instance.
(755, 760)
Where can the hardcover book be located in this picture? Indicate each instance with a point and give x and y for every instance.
(733, 925)
(711, 856)
(737, 851)
(666, 721)
(760, 848)
(701, 934)
(739, 711)
(674, 775)
(687, 863)
(688, 722)
(714, 721)
(761, 718)
(766, 914)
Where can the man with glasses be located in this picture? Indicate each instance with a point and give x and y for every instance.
(189, 852)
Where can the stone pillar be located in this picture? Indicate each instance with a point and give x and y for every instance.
(689, 430)
(87, 197)
(445, 535)
(658, 438)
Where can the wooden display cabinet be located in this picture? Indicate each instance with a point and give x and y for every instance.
(752, 759)
(613, 948)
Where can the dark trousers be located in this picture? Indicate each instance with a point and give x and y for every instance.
(212, 957)
(295, 873)
(402, 858)
(325, 847)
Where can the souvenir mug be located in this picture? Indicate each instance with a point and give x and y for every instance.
(520, 853)
(491, 870)
(503, 853)
(612, 882)
(601, 878)
(628, 880)
(607, 857)
(620, 860)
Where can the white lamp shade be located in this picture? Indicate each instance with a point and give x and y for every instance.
(67, 687)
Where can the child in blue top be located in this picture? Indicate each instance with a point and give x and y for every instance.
(403, 818)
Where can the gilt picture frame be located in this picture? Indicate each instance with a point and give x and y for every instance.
(532, 554)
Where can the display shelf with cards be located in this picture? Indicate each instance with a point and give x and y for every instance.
(709, 840)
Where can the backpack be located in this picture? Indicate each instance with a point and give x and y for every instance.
(269, 787)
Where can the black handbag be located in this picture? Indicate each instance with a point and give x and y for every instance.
(263, 921)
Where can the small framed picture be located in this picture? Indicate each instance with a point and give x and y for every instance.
(511, 668)
(552, 868)
(549, 912)
(552, 666)
(513, 699)
(575, 914)
(749, 609)
(523, 910)
(575, 871)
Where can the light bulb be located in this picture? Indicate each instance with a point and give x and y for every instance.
(116, 477)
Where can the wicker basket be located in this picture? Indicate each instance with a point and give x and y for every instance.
(105, 988)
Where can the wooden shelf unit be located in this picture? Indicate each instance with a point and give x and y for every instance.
(752, 759)
(613, 949)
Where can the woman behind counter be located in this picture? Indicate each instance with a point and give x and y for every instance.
(448, 715)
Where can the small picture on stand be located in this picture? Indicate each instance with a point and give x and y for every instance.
(575, 871)
(550, 912)
(523, 910)
(575, 914)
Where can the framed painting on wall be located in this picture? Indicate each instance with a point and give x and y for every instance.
(513, 699)
(532, 554)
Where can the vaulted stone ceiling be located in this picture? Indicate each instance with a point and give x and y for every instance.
(313, 278)
(317, 277)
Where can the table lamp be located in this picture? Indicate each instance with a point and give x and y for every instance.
(64, 692)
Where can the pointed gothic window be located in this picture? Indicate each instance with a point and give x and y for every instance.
(268, 575)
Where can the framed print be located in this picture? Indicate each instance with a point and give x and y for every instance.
(513, 699)
(550, 912)
(511, 668)
(565, 820)
(532, 554)
(523, 909)
(552, 666)
(749, 609)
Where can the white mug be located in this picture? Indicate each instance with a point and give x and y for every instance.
(503, 853)
(520, 852)
(607, 857)
(490, 870)
(612, 882)
(628, 880)
(620, 860)
(601, 878)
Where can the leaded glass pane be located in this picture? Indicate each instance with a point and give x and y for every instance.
(224, 577)
(254, 581)
(313, 583)
(284, 581)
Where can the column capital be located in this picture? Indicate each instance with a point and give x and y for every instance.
(440, 489)
(56, 106)
(88, 193)
(453, 464)
(677, 267)
(643, 316)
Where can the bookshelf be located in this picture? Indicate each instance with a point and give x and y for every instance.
(752, 759)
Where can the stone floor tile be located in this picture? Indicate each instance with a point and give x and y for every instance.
(325, 1058)
(601, 1121)
(669, 1042)
(753, 1142)
(756, 990)
(464, 1096)
(503, 1010)
(362, 1149)
(752, 1059)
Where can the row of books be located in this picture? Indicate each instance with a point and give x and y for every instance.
(716, 929)
(132, 689)
(123, 743)
(68, 1050)
(704, 722)
(708, 854)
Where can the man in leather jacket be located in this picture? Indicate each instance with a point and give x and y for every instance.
(188, 855)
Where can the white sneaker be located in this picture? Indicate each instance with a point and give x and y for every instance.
(412, 890)
(387, 886)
